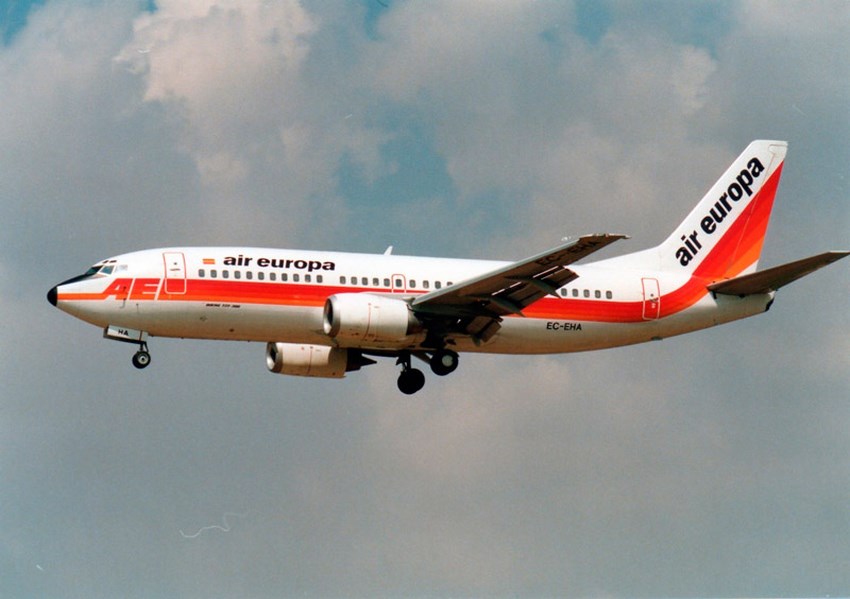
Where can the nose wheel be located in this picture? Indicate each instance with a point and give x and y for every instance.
(411, 379)
(142, 358)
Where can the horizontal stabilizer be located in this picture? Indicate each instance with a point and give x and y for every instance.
(772, 279)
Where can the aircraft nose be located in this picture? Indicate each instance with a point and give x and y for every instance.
(52, 295)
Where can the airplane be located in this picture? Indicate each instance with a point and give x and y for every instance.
(324, 314)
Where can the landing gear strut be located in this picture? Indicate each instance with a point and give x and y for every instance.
(142, 358)
(410, 380)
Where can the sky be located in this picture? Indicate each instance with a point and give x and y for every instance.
(713, 464)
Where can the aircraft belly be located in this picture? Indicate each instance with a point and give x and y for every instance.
(244, 322)
(541, 336)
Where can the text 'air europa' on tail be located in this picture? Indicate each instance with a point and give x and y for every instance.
(722, 237)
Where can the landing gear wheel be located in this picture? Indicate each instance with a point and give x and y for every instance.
(141, 359)
(410, 381)
(444, 362)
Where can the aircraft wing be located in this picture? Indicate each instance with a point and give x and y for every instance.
(771, 279)
(478, 304)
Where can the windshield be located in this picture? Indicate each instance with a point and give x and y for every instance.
(103, 268)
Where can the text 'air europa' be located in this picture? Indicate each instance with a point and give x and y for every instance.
(722, 209)
(308, 265)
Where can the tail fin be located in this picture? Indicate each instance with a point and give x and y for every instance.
(722, 237)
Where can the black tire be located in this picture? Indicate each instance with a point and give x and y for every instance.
(141, 359)
(411, 381)
(444, 362)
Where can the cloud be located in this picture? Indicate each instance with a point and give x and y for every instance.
(710, 464)
(232, 70)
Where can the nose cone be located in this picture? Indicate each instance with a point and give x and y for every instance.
(52, 295)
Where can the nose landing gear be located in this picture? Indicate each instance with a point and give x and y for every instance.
(142, 358)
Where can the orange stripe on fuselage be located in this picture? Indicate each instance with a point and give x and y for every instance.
(301, 295)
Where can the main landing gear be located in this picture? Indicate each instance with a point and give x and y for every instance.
(443, 362)
(142, 358)
(411, 379)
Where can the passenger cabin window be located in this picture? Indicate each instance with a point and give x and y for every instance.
(386, 282)
(225, 274)
(249, 275)
(272, 276)
(342, 280)
(201, 273)
(296, 278)
(213, 273)
(438, 285)
(376, 282)
(237, 274)
(319, 279)
(261, 276)
(609, 295)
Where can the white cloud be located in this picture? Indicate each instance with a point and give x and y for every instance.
(233, 68)
(572, 126)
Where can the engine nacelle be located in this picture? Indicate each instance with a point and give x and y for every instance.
(364, 318)
(308, 360)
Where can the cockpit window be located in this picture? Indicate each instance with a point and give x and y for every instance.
(104, 268)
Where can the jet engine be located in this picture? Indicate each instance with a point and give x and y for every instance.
(364, 318)
(313, 360)
(308, 360)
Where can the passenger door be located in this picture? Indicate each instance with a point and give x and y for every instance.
(175, 272)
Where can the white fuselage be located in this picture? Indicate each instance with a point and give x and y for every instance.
(256, 294)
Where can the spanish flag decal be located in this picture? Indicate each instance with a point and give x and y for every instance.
(209, 260)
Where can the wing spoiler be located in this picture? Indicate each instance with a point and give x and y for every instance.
(771, 279)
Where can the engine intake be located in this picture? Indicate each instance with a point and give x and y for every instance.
(364, 318)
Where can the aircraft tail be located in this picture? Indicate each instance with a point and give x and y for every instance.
(723, 235)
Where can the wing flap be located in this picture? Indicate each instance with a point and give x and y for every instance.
(771, 279)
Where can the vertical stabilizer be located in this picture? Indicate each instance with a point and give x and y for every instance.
(722, 237)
